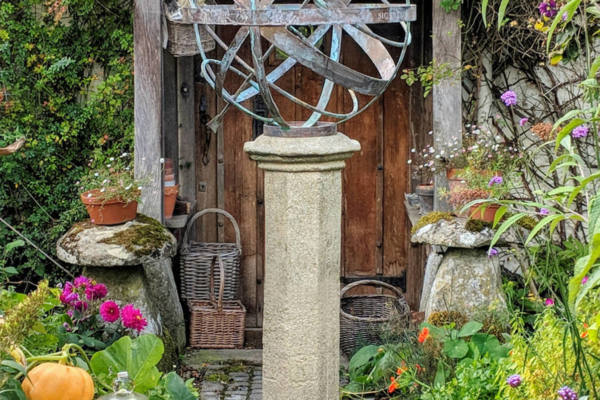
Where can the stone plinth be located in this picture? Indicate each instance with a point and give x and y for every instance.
(134, 261)
(459, 275)
(303, 195)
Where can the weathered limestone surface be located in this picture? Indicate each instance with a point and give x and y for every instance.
(467, 280)
(453, 234)
(303, 188)
(132, 243)
(134, 261)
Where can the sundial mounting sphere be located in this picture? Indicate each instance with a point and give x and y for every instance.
(281, 26)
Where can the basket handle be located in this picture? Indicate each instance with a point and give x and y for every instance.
(238, 237)
(371, 282)
(221, 282)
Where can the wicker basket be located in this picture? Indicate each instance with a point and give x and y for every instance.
(182, 39)
(196, 259)
(362, 316)
(220, 324)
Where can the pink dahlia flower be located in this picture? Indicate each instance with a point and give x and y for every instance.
(132, 318)
(81, 281)
(96, 292)
(109, 311)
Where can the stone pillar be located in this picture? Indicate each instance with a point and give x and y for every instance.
(303, 194)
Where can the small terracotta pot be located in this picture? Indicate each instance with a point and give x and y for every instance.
(454, 182)
(108, 212)
(486, 215)
(169, 200)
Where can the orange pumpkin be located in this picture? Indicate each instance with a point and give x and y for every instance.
(52, 381)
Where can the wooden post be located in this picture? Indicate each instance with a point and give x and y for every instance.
(447, 94)
(186, 129)
(148, 54)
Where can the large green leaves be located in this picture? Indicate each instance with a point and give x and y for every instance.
(138, 357)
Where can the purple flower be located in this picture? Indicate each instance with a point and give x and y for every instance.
(496, 180)
(548, 8)
(544, 211)
(514, 380)
(523, 121)
(566, 393)
(580, 131)
(509, 98)
(585, 279)
(492, 252)
(549, 302)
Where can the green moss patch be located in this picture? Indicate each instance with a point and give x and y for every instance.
(141, 239)
(431, 218)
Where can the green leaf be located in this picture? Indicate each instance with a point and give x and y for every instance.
(456, 348)
(499, 214)
(583, 267)
(470, 328)
(13, 245)
(138, 357)
(568, 8)
(593, 281)
(545, 221)
(177, 388)
(484, 6)
(504, 227)
(501, 13)
(567, 130)
(593, 214)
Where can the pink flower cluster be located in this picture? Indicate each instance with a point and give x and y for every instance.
(82, 296)
(131, 317)
(76, 295)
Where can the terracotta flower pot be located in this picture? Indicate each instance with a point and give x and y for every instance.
(169, 200)
(454, 182)
(108, 212)
(487, 215)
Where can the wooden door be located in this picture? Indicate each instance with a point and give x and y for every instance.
(375, 226)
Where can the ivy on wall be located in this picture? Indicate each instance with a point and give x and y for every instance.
(66, 85)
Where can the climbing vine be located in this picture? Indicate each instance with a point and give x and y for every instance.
(66, 86)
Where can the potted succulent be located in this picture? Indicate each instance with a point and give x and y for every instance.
(110, 192)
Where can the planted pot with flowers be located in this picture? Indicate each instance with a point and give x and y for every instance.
(110, 192)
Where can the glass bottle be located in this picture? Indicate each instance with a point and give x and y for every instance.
(123, 389)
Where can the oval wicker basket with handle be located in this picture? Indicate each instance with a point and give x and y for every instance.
(196, 259)
(362, 316)
(217, 324)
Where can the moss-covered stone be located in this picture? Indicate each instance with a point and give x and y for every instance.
(170, 355)
(431, 218)
(476, 225)
(443, 318)
(141, 239)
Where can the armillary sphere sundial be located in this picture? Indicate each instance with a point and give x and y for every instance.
(281, 26)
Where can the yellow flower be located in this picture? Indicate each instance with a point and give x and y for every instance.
(539, 26)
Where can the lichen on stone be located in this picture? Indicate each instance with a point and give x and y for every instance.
(431, 218)
(141, 239)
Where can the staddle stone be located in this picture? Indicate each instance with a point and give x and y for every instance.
(134, 261)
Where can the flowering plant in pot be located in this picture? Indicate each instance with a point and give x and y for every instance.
(109, 191)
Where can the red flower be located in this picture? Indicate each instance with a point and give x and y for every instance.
(423, 335)
(393, 386)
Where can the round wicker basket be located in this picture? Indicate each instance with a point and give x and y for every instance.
(362, 316)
